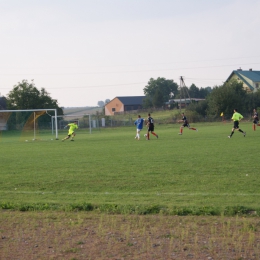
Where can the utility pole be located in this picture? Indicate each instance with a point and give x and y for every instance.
(183, 89)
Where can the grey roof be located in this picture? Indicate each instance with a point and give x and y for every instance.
(250, 74)
(187, 100)
(132, 100)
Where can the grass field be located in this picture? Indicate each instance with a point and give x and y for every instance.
(109, 196)
(200, 172)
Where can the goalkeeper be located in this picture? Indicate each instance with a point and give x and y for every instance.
(71, 132)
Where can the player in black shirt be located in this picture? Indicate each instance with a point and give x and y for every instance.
(185, 124)
(256, 119)
(150, 127)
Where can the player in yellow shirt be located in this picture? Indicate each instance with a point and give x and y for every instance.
(236, 118)
(73, 126)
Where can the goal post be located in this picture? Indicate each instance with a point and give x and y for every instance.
(71, 118)
(26, 120)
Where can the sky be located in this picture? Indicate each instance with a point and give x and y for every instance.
(85, 51)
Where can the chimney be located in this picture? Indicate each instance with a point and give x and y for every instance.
(239, 69)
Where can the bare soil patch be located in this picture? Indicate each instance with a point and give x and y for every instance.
(89, 235)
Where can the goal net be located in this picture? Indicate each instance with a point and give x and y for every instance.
(84, 122)
(28, 125)
(87, 123)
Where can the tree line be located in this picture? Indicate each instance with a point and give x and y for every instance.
(24, 96)
(225, 98)
(217, 100)
(158, 92)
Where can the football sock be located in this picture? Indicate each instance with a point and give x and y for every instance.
(181, 130)
(240, 130)
(254, 127)
(231, 134)
(192, 128)
(154, 133)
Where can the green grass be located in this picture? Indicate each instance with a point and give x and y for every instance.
(196, 173)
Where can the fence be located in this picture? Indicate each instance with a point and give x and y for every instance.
(127, 119)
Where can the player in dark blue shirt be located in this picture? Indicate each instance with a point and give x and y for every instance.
(185, 124)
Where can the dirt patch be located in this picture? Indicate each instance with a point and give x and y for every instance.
(88, 235)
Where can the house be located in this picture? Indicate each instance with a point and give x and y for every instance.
(250, 79)
(183, 102)
(122, 104)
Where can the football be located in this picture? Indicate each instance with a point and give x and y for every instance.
(145, 135)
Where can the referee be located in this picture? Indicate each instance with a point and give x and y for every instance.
(236, 118)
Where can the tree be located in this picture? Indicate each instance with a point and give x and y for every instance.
(26, 96)
(203, 92)
(200, 107)
(194, 91)
(158, 100)
(165, 86)
(147, 102)
(209, 89)
(107, 101)
(101, 103)
(252, 101)
(227, 97)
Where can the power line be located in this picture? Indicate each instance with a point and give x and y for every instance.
(96, 86)
(144, 64)
(130, 71)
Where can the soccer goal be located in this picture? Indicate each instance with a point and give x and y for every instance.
(65, 119)
(28, 124)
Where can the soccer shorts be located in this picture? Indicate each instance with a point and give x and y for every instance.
(151, 128)
(236, 124)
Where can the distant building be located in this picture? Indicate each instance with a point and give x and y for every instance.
(122, 104)
(183, 102)
(250, 79)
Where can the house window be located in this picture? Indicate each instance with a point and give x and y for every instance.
(113, 109)
(256, 85)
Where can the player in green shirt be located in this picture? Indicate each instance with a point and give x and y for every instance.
(71, 133)
(236, 118)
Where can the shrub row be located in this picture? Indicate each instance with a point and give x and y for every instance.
(135, 209)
